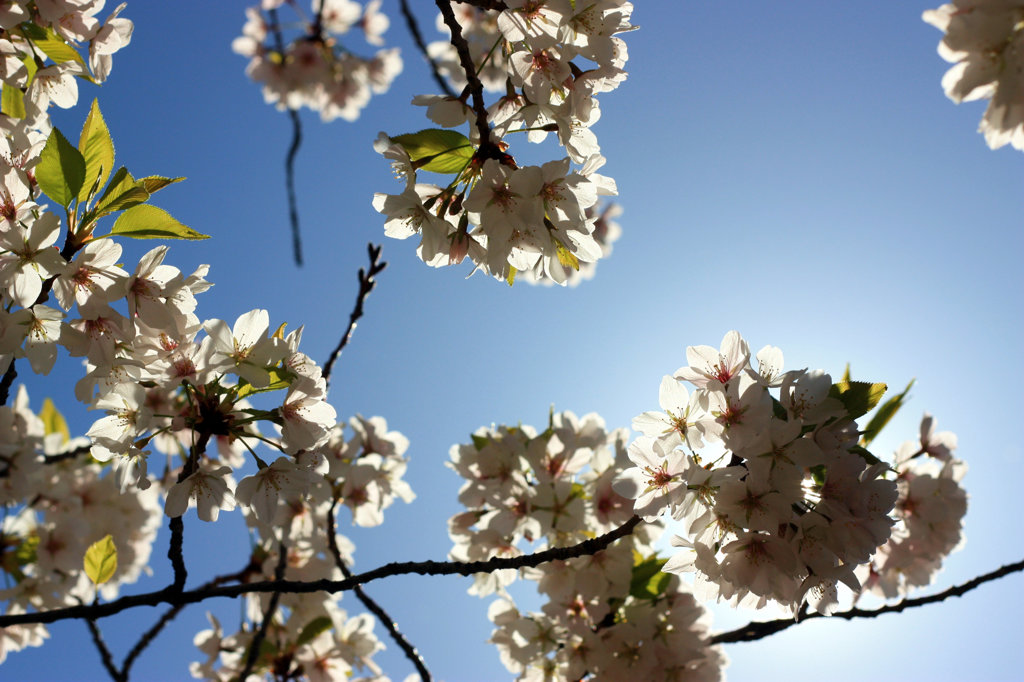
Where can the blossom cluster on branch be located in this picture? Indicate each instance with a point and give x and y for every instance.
(315, 69)
(551, 59)
(610, 616)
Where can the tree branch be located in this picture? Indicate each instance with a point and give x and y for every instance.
(105, 655)
(476, 88)
(169, 615)
(366, 285)
(385, 619)
(257, 641)
(414, 29)
(289, 182)
(759, 630)
(170, 596)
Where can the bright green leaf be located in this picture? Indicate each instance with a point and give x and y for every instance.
(648, 581)
(566, 257)
(101, 560)
(52, 45)
(98, 150)
(53, 421)
(437, 150)
(511, 276)
(857, 396)
(121, 193)
(886, 412)
(278, 379)
(153, 183)
(12, 102)
(314, 629)
(149, 222)
(61, 169)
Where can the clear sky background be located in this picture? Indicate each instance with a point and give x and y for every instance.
(791, 170)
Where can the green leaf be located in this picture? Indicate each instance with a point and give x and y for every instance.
(53, 420)
(52, 45)
(511, 276)
(314, 629)
(858, 396)
(865, 454)
(12, 102)
(98, 150)
(121, 193)
(279, 379)
(154, 183)
(61, 169)
(648, 581)
(101, 560)
(437, 150)
(149, 222)
(480, 442)
(886, 412)
(566, 257)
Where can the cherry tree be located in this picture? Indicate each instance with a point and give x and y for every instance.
(757, 483)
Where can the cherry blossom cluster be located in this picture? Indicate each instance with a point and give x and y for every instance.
(606, 232)
(985, 42)
(311, 636)
(551, 59)
(314, 69)
(72, 506)
(929, 512)
(609, 616)
(765, 473)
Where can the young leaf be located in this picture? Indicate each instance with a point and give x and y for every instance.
(98, 150)
(857, 396)
(278, 379)
(566, 257)
(53, 421)
(153, 183)
(511, 276)
(101, 560)
(648, 581)
(121, 193)
(886, 412)
(61, 169)
(52, 45)
(12, 102)
(313, 629)
(437, 150)
(149, 222)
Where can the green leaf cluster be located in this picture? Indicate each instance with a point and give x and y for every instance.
(648, 580)
(437, 150)
(72, 177)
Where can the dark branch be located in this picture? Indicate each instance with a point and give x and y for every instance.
(289, 181)
(268, 616)
(169, 615)
(414, 29)
(759, 630)
(476, 88)
(496, 5)
(386, 620)
(366, 285)
(170, 596)
(54, 459)
(105, 655)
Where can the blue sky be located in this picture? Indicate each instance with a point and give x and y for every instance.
(790, 170)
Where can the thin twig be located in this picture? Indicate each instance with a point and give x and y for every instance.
(54, 459)
(105, 655)
(289, 180)
(476, 87)
(759, 630)
(169, 596)
(268, 616)
(289, 161)
(414, 29)
(366, 285)
(149, 635)
(386, 620)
